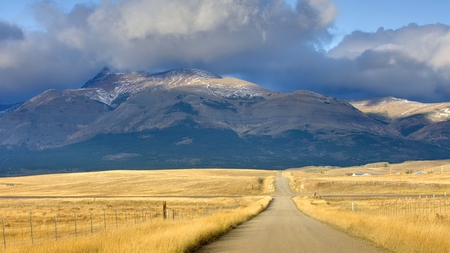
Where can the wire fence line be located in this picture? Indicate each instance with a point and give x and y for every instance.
(427, 205)
(41, 228)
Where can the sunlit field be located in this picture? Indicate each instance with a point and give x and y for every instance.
(381, 178)
(413, 216)
(189, 182)
(116, 210)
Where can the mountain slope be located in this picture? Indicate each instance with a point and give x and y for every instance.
(414, 120)
(189, 117)
(8, 108)
(138, 101)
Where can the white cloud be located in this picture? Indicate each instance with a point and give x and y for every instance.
(269, 42)
(428, 44)
(153, 34)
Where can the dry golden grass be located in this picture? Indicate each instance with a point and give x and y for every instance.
(397, 224)
(117, 200)
(188, 182)
(397, 233)
(156, 236)
(386, 179)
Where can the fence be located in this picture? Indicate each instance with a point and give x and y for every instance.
(40, 228)
(427, 205)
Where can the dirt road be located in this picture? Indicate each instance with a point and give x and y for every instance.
(282, 228)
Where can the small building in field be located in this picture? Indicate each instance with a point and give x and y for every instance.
(361, 174)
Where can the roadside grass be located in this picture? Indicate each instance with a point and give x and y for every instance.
(384, 179)
(157, 236)
(396, 224)
(124, 209)
(398, 233)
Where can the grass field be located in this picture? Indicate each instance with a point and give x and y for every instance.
(399, 224)
(121, 211)
(384, 179)
(188, 182)
(91, 212)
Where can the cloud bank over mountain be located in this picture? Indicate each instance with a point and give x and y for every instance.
(267, 42)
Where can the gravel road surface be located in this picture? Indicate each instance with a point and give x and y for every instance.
(283, 228)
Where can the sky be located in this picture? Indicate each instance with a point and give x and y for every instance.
(348, 49)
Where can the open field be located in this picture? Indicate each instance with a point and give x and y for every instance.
(188, 182)
(397, 228)
(384, 179)
(399, 224)
(91, 212)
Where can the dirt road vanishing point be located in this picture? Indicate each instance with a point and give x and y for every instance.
(283, 228)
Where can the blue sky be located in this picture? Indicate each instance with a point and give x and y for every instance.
(369, 15)
(55, 44)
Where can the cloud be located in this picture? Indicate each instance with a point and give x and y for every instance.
(268, 42)
(411, 62)
(156, 35)
(10, 32)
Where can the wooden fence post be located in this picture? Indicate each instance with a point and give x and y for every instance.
(164, 210)
(31, 228)
(92, 231)
(4, 235)
(104, 217)
(56, 227)
(75, 220)
(116, 220)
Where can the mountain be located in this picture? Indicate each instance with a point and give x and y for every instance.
(8, 108)
(414, 120)
(193, 118)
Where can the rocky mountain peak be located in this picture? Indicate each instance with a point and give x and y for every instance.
(102, 76)
(187, 73)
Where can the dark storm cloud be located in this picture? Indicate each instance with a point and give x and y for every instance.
(10, 32)
(219, 36)
(411, 62)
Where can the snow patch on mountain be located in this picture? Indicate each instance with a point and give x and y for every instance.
(101, 95)
(440, 115)
(105, 89)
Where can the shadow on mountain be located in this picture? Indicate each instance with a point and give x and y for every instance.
(188, 145)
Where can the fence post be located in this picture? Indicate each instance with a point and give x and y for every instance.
(75, 220)
(92, 231)
(415, 207)
(116, 219)
(104, 217)
(135, 217)
(31, 228)
(164, 210)
(4, 235)
(434, 204)
(56, 227)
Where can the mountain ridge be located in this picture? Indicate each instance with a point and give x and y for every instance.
(263, 128)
